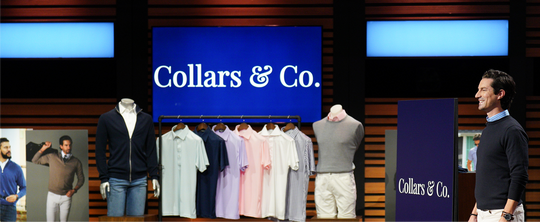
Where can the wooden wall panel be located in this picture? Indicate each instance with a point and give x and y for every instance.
(532, 25)
(61, 113)
(35, 3)
(469, 119)
(437, 10)
(532, 128)
(381, 115)
(58, 11)
(254, 13)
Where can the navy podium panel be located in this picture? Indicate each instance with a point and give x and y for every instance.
(427, 132)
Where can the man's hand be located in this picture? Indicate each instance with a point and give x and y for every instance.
(155, 185)
(473, 218)
(103, 189)
(12, 198)
(70, 193)
(45, 146)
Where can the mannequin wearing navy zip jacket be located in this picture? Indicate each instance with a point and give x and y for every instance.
(131, 142)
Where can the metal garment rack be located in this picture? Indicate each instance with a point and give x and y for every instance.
(162, 117)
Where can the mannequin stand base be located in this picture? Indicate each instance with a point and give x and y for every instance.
(146, 217)
(358, 218)
(243, 218)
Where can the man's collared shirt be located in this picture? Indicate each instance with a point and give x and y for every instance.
(251, 181)
(284, 156)
(130, 117)
(183, 153)
(498, 116)
(228, 189)
(298, 183)
(207, 181)
(4, 164)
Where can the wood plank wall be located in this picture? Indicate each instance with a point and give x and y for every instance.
(83, 113)
(532, 126)
(254, 13)
(61, 113)
(533, 28)
(381, 115)
(251, 13)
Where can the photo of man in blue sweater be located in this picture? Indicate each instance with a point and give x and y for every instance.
(11, 179)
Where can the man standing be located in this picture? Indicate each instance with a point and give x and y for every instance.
(62, 169)
(10, 177)
(471, 158)
(501, 173)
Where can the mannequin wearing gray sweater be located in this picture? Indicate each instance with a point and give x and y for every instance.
(338, 136)
(338, 141)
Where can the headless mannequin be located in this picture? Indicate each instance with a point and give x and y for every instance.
(105, 186)
(339, 136)
(127, 103)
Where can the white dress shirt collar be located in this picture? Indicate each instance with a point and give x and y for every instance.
(271, 132)
(129, 115)
(66, 155)
(3, 164)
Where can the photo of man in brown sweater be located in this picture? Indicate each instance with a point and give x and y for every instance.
(63, 167)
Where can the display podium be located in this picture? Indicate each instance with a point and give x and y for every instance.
(249, 219)
(358, 218)
(146, 217)
(426, 166)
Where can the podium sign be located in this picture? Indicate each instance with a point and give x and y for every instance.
(426, 166)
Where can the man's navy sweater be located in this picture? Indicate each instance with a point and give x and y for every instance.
(503, 161)
(129, 159)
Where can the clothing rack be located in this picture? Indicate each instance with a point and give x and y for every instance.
(202, 117)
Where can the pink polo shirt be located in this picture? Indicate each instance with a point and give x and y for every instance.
(251, 180)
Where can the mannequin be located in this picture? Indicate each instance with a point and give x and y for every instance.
(125, 163)
(339, 136)
(335, 110)
(127, 103)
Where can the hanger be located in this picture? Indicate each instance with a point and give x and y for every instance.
(202, 126)
(220, 126)
(179, 126)
(288, 127)
(243, 126)
(270, 126)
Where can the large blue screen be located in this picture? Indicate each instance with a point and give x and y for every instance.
(437, 38)
(57, 40)
(237, 71)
